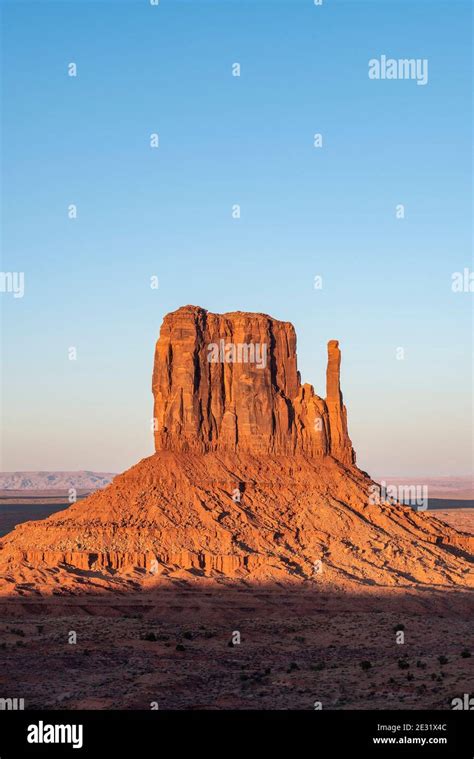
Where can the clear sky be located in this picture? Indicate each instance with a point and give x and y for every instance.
(305, 211)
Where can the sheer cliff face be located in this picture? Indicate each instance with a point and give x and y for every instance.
(230, 382)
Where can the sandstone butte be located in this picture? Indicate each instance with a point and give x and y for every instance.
(253, 479)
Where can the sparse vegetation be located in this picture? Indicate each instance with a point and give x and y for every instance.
(149, 636)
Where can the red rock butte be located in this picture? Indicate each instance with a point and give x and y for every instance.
(230, 382)
(253, 478)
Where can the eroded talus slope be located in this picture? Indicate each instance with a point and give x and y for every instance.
(175, 515)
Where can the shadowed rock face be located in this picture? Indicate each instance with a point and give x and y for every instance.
(230, 382)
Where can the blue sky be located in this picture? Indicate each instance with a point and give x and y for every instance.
(167, 212)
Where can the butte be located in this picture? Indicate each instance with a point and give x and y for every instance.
(253, 480)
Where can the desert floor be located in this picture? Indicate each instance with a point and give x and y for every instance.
(296, 647)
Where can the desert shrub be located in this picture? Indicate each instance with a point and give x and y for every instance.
(149, 636)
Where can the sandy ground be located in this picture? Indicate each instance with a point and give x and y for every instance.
(460, 519)
(176, 649)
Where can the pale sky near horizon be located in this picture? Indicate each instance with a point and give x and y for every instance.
(305, 211)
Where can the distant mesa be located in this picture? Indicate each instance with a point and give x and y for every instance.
(82, 480)
(254, 478)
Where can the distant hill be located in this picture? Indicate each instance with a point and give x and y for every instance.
(82, 480)
(448, 486)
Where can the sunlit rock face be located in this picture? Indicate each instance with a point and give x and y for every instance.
(230, 382)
